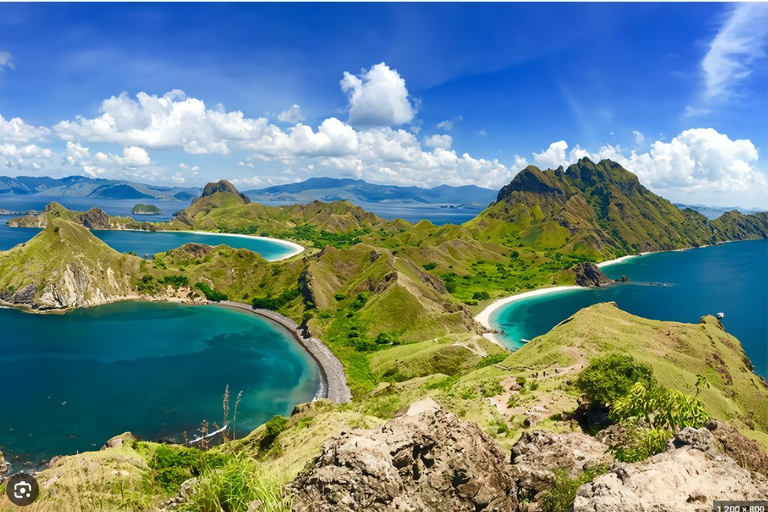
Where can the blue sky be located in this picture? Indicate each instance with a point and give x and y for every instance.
(418, 94)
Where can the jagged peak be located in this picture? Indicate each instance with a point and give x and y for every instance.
(224, 186)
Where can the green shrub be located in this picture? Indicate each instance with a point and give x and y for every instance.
(611, 377)
(481, 295)
(662, 408)
(272, 429)
(172, 465)
(430, 266)
(209, 293)
(562, 494)
(275, 303)
(491, 360)
(340, 296)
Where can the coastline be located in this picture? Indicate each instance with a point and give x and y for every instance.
(296, 248)
(483, 318)
(333, 380)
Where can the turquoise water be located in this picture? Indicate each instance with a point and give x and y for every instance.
(145, 243)
(73, 381)
(681, 286)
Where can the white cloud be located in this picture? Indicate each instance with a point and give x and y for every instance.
(439, 141)
(16, 130)
(740, 41)
(167, 121)
(293, 115)
(520, 163)
(134, 157)
(639, 137)
(178, 178)
(378, 97)
(553, 156)
(186, 167)
(24, 157)
(700, 162)
(77, 154)
(5, 60)
(246, 164)
(448, 124)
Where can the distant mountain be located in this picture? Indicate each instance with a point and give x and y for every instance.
(81, 186)
(600, 210)
(713, 212)
(359, 191)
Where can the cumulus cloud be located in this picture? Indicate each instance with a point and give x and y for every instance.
(699, 160)
(76, 153)
(24, 157)
(378, 97)
(639, 137)
(167, 121)
(740, 41)
(5, 60)
(293, 115)
(16, 130)
(438, 141)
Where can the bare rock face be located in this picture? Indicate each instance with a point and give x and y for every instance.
(95, 218)
(746, 452)
(537, 455)
(3, 465)
(426, 459)
(588, 274)
(687, 477)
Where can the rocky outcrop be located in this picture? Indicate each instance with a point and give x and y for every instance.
(425, 459)
(223, 186)
(124, 439)
(3, 465)
(95, 218)
(588, 274)
(537, 455)
(746, 452)
(687, 477)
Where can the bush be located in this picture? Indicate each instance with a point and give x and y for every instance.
(491, 360)
(481, 296)
(430, 266)
(275, 303)
(209, 293)
(272, 429)
(663, 408)
(611, 377)
(562, 494)
(171, 465)
(339, 296)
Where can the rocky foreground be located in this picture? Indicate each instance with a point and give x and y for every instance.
(429, 459)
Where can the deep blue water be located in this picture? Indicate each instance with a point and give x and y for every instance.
(146, 243)
(72, 381)
(681, 286)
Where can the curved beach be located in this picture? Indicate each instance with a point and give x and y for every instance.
(295, 248)
(333, 380)
(483, 318)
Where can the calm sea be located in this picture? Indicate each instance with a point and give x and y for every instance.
(72, 381)
(682, 286)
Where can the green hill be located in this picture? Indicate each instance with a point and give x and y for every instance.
(600, 210)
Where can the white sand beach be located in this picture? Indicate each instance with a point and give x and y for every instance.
(295, 248)
(483, 318)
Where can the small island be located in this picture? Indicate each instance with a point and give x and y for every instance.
(146, 209)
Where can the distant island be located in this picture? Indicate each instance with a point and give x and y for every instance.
(146, 209)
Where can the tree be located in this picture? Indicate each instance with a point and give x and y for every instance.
(611, 377)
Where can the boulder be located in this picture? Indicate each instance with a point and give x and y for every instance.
(588, 274)
(687, 477)
(425, 459)
(126, 438)
(536, 456)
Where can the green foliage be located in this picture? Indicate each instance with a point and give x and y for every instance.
(209, 293)
(146, 284)
(340, 296)
(481, 295)
(561, 495)
(611, 377)
(360, 301)
(275, 303)
(240, 482)
(513, 401)
(272, 429)
(175, 281)
(172, 465)
(324, 238)
(430, 266)
(491, 360)
(492, 388)
(663, 408)
(652, 442)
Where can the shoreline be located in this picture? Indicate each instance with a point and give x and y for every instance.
(296, 248)
(333, 380)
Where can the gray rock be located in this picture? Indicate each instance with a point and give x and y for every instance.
(588, 274)
(426, 459)
(687, 477)
(126, 438)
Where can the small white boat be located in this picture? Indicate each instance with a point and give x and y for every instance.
(525, 340)
(721, 315)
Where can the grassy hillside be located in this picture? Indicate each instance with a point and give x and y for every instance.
(599, 210)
